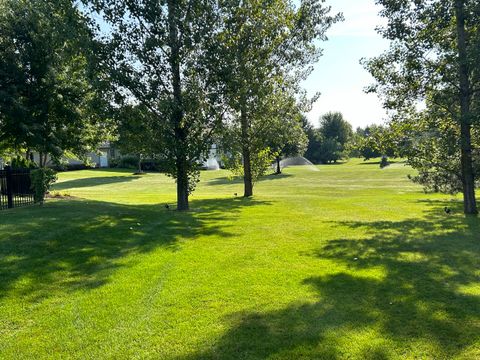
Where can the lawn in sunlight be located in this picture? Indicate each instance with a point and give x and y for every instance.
(348, 262)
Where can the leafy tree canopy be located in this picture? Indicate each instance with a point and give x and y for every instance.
(49, 85)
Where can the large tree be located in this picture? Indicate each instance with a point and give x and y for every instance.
(161, 55)
(434, 60)
(49, 98)
(329, 142)
(335, 133)
(268, 47)
(334, 126)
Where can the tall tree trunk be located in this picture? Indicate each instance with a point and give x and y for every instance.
(468, 177)
(177, 113)
(182, 185)
(247, 164)
(139, 163)
(279, 170)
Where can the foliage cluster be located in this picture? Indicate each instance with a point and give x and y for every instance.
(328, 143)
(50, 98)
(19, 162)
(41, 181)
(261, 163)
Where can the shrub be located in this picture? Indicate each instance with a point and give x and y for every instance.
(20, 162)
(154, 165)
(71, 167)
(42, 179)
(114, 162)
(128, 162)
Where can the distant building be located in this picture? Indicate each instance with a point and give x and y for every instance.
(100, 158)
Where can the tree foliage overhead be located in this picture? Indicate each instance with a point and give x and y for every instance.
(163, 56)
(430, 79)
(49, 85)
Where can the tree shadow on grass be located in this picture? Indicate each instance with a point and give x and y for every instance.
(390, 162)
(239, 180)
(93, 181)
(78, 243)
(413, 283)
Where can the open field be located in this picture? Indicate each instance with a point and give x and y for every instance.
(349, 262)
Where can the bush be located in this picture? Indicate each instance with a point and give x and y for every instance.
(128, 162)
(154, 165)
(41, 180)
(114, 163)
(131, 162)
(20, 162)
(71, 167)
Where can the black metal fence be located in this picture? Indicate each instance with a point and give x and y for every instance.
(15, 188)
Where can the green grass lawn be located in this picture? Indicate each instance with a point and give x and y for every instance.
(349, 262)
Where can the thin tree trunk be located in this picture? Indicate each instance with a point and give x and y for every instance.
(279, 170)
(139, 163)
(468, 177)
(41, 160)
(177, 113)
(247, 165)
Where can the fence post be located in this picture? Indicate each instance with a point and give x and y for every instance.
(9, 178)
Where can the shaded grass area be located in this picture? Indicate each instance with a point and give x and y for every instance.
(351, 262)
(419, 307)
(86, 251)
(96, 181)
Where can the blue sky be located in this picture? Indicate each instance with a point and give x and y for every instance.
(338, 75)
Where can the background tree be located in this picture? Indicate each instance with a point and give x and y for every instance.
(377, 140)
(282, 132)
(430, 143)
(162, 56)
(136, 133)
(267, 49)
(434, 59)
(334, 126)
(335, 133)
(289, 140)
(330, 141)
(314, 141)
(49, 94)
(359, 145)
